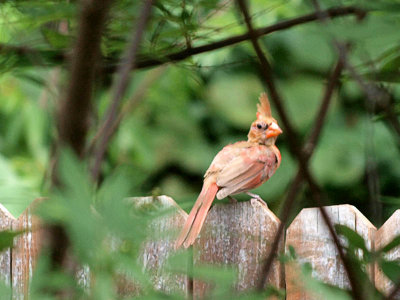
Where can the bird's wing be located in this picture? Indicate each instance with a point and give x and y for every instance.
(224, 157)
(248, 169)
(238, 170)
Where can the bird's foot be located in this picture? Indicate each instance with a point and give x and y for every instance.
(256, 197)
(232, 200)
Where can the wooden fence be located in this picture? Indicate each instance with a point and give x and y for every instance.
(238, 235)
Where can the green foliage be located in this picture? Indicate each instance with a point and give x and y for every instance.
(7, 238)
(5, 290)
(355, 240)
(166, 141)
(92, 218)
(391, 269)
(320, 288)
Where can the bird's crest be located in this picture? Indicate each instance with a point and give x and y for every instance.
(263, 108)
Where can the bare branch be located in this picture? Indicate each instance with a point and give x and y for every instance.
(75, 108)
(266, 72)
(283, 25)
(131, 104)
(303, 167)
(377, 95)
(58, 57)
(74, 112)
(120, 85)
(382, 99)
(308, 150)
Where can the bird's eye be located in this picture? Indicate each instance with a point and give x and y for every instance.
(259, 126)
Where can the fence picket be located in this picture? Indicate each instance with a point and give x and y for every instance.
(6, 220)
(386, 234)
(238, 235)
(156, 253)
(26, 250)
(310, 238)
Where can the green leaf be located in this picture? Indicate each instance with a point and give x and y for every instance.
(292, 252)
(7, 238)
(321, 288)
(391, 269)
(5, 290)
(55, 39)
(212, 273)
(392, 65)
(353, 237)
(392, 244)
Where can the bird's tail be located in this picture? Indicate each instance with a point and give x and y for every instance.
(197, 216)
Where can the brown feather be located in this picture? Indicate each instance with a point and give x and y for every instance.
(236, 168)
(232, 182)
(254, 162)
(263, 108)
(197, 215)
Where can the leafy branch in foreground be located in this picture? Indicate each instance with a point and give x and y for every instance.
(7, 238)
(55, 57)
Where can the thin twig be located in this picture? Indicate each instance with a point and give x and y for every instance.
(371, 169)
(382, 98)
(356, 289)
(266, 71)
(376, 95)
(59, 56)
(308, 150)
(32, 54)
(283, 25)
(131, 104)
(303, 167)
(312, 140)
(127, 63)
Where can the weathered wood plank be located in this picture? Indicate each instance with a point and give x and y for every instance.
(26, 250)
(6, 220)
(386, 234)
(234, 235)
(156, 252)
(238, 235)
(310, 237)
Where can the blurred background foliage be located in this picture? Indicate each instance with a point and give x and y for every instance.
(191, 109)
(187, 111)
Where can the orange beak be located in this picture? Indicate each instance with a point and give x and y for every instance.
(273, 130)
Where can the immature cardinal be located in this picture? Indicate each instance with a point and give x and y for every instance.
(236, 169)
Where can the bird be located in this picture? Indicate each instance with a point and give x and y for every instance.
(237, 168)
